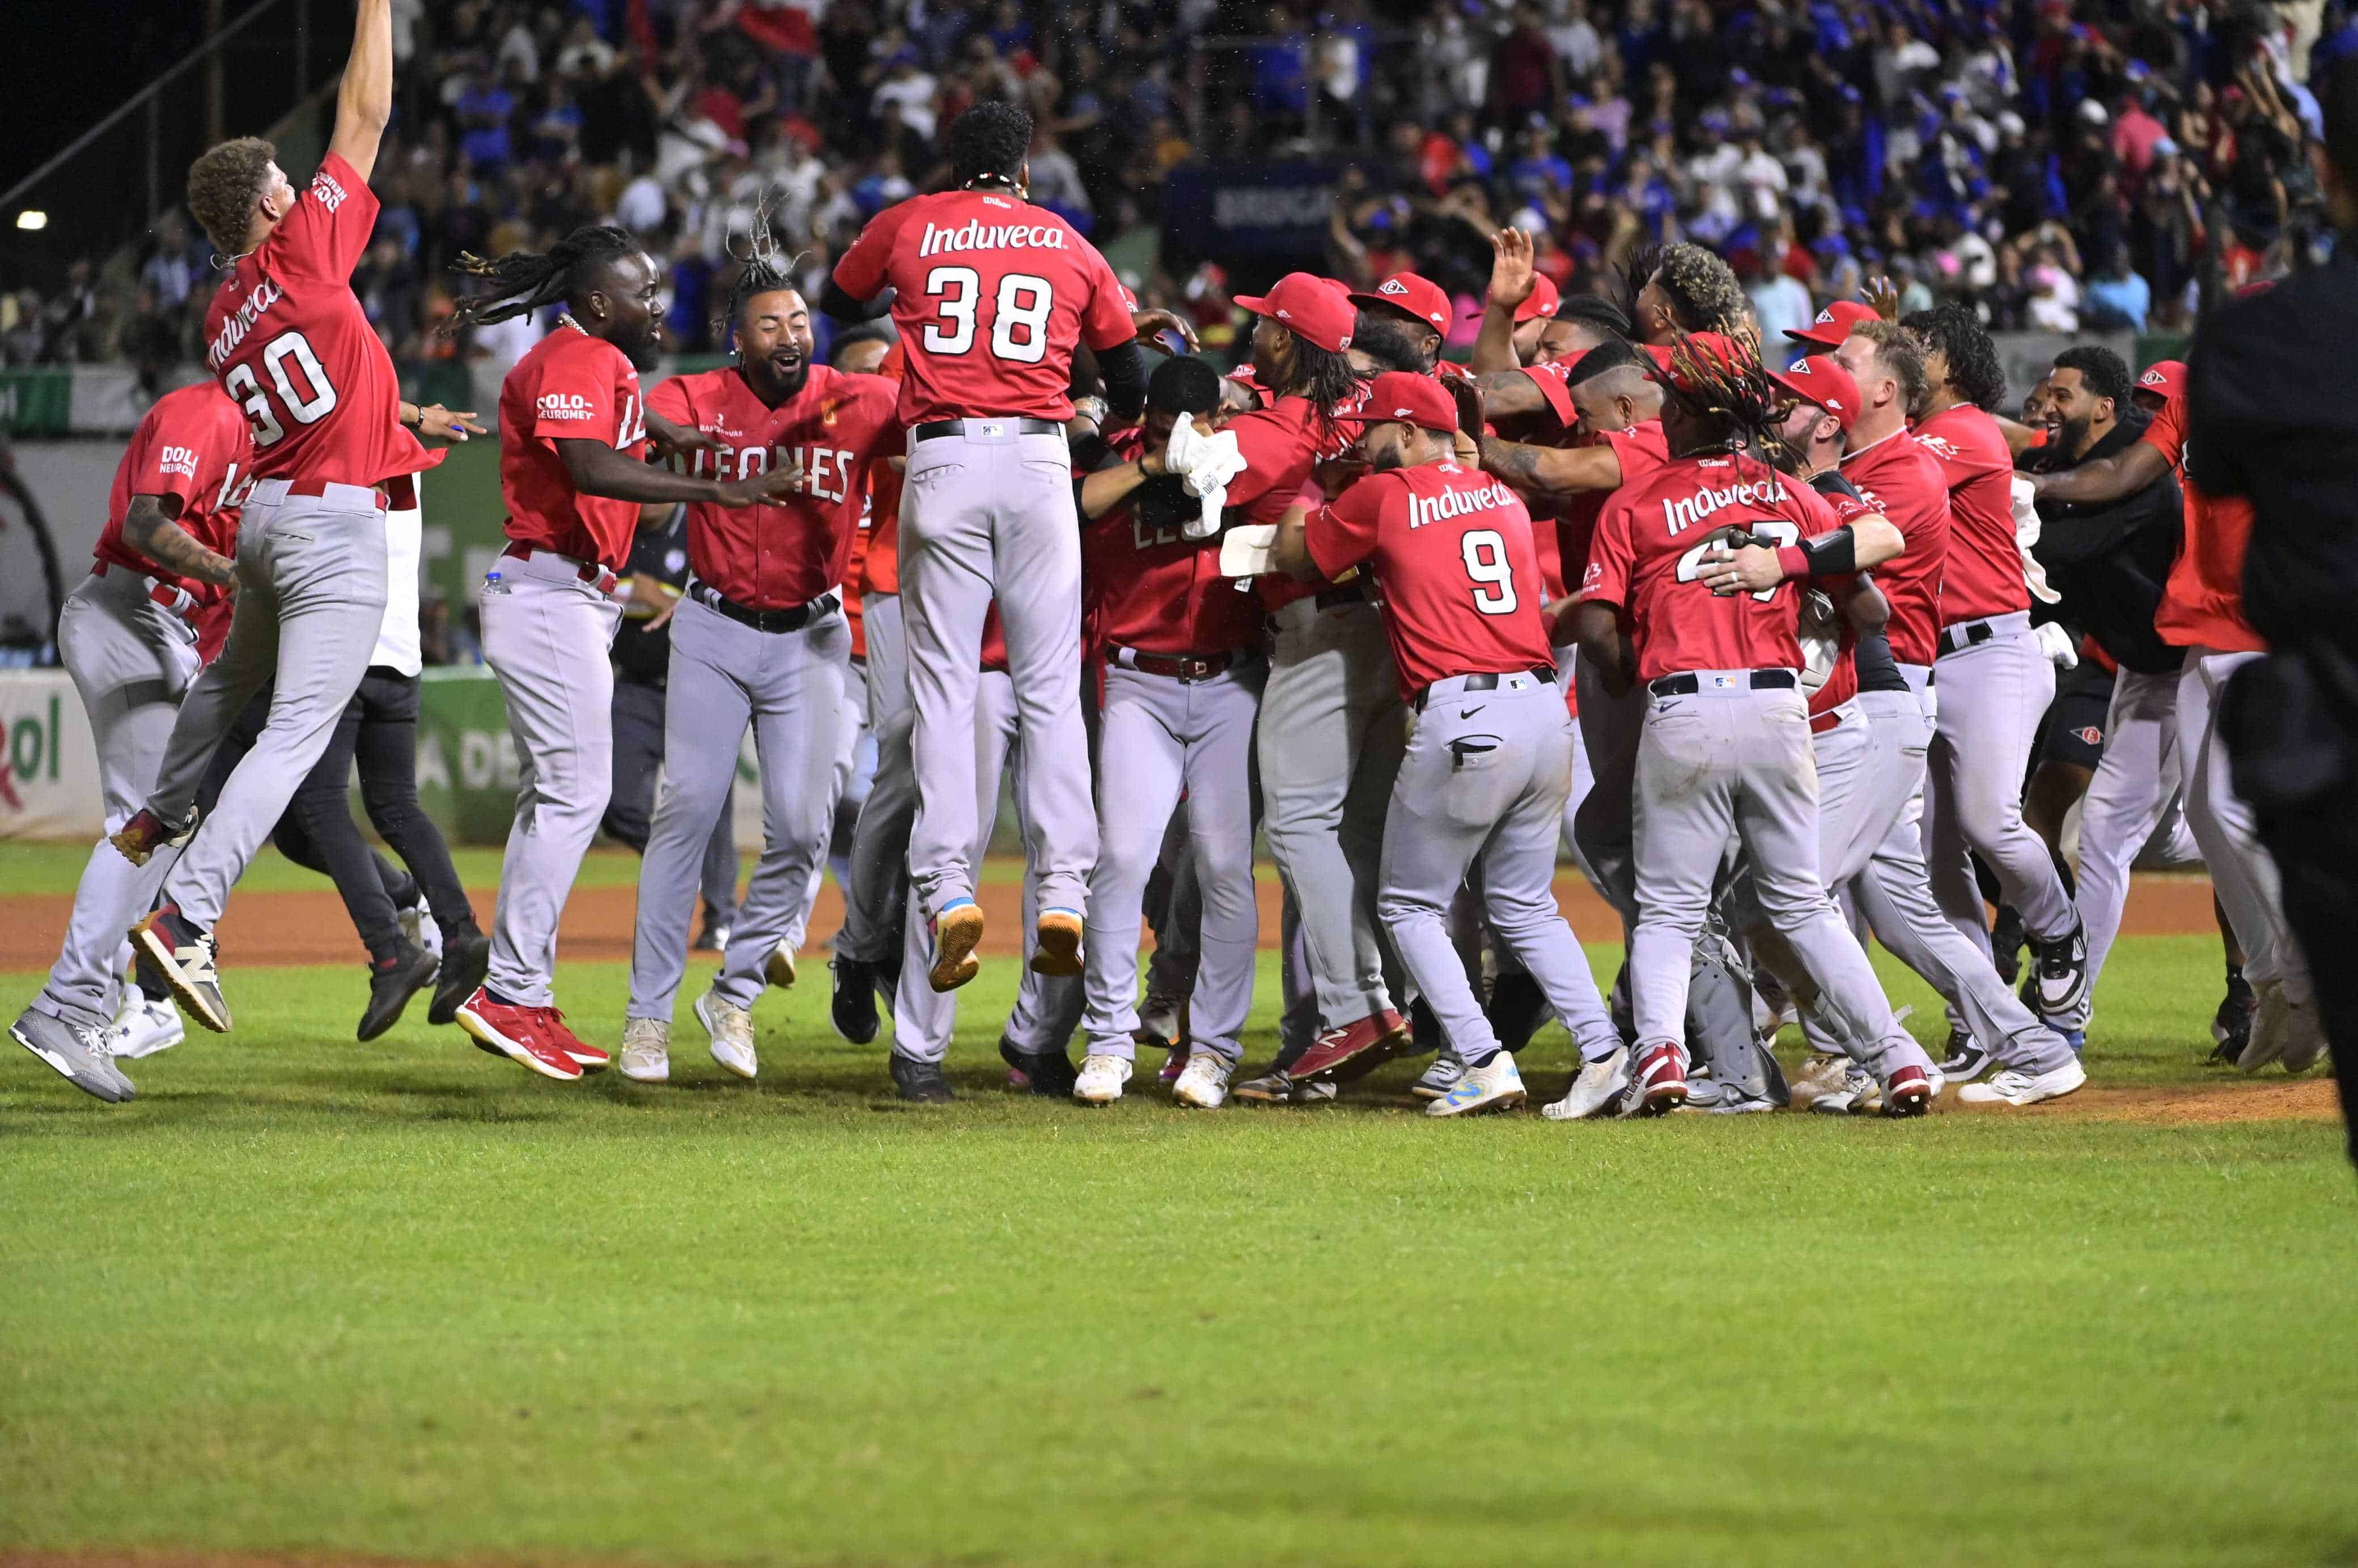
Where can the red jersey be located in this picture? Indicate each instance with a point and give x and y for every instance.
(194, 450)
(1152, 589)
(1982, 576)
(880, 565)
(1641, 449)
(1554, 381)
(852, 569)
(1452, 550)
(994, 640)
(837, 426)
(1903, 479)
(1280, 445)
(569, 387)
(2203, 603)
(1649, 550)
(994, 294)
(292, 347)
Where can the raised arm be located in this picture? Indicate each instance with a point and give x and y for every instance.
(1511, 282)
(364, 101)
(2115, 477)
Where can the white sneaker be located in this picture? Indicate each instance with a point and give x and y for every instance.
(2012, 1086)
(646, 1057)
(144, 1027)
(1203, 1081)
(2304, 1037)
(1496, 1085)
(731, 1028)
(417, 924)
(1600, 1084)
(1441, 1077)
(1102, 1077)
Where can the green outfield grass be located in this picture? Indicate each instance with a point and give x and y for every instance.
(403, 1299)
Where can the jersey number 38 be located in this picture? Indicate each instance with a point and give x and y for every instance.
(1019, 325)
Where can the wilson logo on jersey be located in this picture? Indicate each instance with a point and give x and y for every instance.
(1425, 509)
(233, 330)
(1683, 514)
(976, 235)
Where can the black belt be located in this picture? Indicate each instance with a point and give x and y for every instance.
(1177, 666)
(1688, 685)
(1349, 593)
(1964, 634)
(1490, 682)
(1026, 426)
(793, 620)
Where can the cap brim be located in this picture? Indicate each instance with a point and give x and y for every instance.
(1825, 335)
(1257, 304)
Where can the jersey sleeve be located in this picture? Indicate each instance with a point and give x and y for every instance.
(1104, 320)
(888, 438)
(163, 463)
(1551, 379)
(669, 401)
(329, 227)
(2167, 434)
(861, 272)
(573, 399)
(1813, 515)
(1267, 449)
(1612, 554)
(1342, 534)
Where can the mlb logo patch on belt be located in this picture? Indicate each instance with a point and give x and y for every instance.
(990, 429)
(1725, 683)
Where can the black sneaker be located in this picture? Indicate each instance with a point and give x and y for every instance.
(187, 957)
(853, 1008)
(393, 980)
(466, 959)
(1424, 1029)
(2007, 941)
(922, 1081)
(1965, 1061)
(2061, 979)
(2231, 1026)
(1516, 1009)
(1051, 1073)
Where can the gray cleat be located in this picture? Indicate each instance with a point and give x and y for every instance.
(81, 1053)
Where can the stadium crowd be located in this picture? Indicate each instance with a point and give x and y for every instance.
(2063, 165)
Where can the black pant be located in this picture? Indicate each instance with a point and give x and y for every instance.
(638, 714)
(378, 729)
(2291, 725)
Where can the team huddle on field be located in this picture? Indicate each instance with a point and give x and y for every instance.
(1754, 641)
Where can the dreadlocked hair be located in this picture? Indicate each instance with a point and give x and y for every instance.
(1326, 378)
(765, 268)
(1635, 274)
(1735, 392)
(524, 282)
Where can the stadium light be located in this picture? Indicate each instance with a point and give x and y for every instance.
(32, 217)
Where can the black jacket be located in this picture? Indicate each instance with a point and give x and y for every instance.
(2110, 563)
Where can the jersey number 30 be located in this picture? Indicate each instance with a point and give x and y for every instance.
(1019, 327)
(1493, 574)
(303, 409)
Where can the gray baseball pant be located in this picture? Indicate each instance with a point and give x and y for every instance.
(545, 634)
(312, 590)
(2242, 873)
(2127, 800)
(1157, 737)
(978, 509)
(638, 725)
(1174, 907)
(841, 813)
(1047, 1008)
(1483, 783)
(789, 686)
(880, 842)
(1991, 697)
(1733, 758)
(132, 660)
(1332, 732)
(1583, 770)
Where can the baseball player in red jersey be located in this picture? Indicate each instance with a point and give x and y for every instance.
(2203, 611)
(759, 639)
(290, 343)
(1726, 743)
(992, 294)
(574, 430)
(1486, 771)
(127, 637)
(1994, 680)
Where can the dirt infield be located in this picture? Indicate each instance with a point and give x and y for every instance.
(312, 928)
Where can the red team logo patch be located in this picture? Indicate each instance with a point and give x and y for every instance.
(2089, 735)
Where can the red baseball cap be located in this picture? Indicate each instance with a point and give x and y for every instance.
(1542, 300)
(1315, 306)
(1833, 323)
(1406, 397)
(1823, 383)
(1418, 297)
(2164, 378)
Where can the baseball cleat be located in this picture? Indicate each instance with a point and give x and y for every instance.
(466, 959)
(1158, 1022)
(185, 957)
(520, 1033)
(81, 1053)
(778, 969)
(1855, 1094)
(143, 1027)
(1277, 1087)
(1496, 1085)
(2059, 981)
(852, 1009)
(1708, 1098)
(1333, 1047)
(1437, 1080)
(732, 1029)
(646, 1057)
(920, 1083)
(391, 983)
(146, 833)
(1047, 1072)
(2271, 1014)
(2304, 1041)
(1908, 1092)
(1595, 1090)
(1055, 944)
(1823, 1074)
(1658, 1080)
(2012, 1086)
(957, 929)
(1203, 1082)
(2231, 1026)
(1966, 1060)
(1173, 1063)
(1100, 1079)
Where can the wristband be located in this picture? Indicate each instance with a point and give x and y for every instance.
(1793, 561)
(1831, 555)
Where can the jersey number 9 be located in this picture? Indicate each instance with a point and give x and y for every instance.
(1493, 574)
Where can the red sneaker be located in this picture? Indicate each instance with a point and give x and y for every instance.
(1660, 1080)
(1909, 1093)
(586, 1056)
(1378, 1031)
(146, 833)
(507, 1031)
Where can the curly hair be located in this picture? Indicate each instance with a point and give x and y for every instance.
(1704, 295)
(990, 141)
(1955, 332)
(524, 282)
(224, 184)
